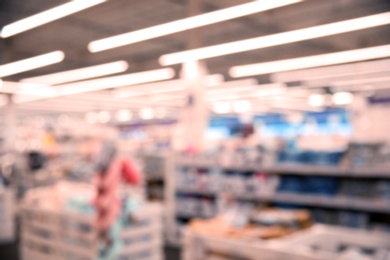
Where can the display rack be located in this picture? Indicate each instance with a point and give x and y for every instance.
(155, 167)
(335, 202)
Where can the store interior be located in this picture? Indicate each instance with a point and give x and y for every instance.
(195, 129)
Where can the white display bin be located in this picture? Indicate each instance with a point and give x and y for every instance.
(64, 235)
(201, 247)
(321, 242)
(331, 242)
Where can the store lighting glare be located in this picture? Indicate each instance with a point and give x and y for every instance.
(186, 24)
(311, 61)
(212, 83)
(161, 113)
(276, 39)
(214, 80)
(316, 100)
(123, 115)
(80, 74)
(47, 16)
(222, 107)
(363, 81)
(359, 68)
(112, 82)
(103, 117)
(342, 98)
(241, 106)
(31, 63)
(91, 118)
(147, 113)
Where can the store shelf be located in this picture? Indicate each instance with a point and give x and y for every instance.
(372, 171)
(195, 191)
(192, 215)
(323, 170)
(339, 202)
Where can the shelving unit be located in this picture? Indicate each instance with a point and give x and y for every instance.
(155, 167)
(336, 202)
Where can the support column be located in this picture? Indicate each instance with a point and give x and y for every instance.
(194, 118)
(9, 132)
(9, 111)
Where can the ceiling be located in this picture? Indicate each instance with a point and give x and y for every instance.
(73, 33)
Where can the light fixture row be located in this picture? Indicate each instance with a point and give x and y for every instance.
(125, 115)
(338, 99)
(66, 78)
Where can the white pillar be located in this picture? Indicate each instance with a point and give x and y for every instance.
(9, 133)
(194, 118)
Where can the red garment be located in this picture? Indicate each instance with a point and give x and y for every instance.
(107, 202)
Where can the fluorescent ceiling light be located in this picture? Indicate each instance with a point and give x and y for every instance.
(147, 113)
(265, 90)
(214, 80)
(316, 100)
(167, 98)
(344, 70)
(91, 118)
(220, 91)
(342, 98)
(365, 87)
(222, 107)
(241, 106)
(186, 24)
(80, 74)
(178, 85)
(143, 89)
(360, 81)
(103, 117)
(152, 92)
(111, 82)
(47, 16)
(276, 39)
(31, 63)
(123, 115)
(311, 61)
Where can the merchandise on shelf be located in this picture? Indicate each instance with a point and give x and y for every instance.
(315, 185)
(341, 218)
(310, 157)
(235, 182)
(193, 206)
